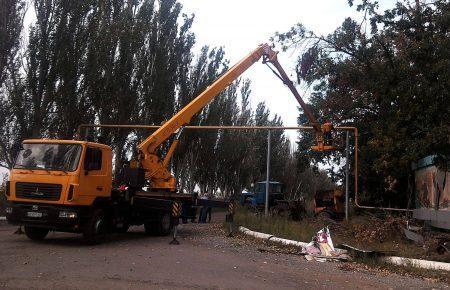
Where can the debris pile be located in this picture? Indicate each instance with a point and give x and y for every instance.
(381, 229)
(321, 248)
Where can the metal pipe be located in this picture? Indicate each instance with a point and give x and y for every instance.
(346, 173)
(266, 207)
(81, 126)
(343, 128)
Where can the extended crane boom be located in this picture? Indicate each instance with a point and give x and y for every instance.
(183, 117)
(156, 170)
(67, 185)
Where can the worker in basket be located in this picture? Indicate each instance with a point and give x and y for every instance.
(327, 128)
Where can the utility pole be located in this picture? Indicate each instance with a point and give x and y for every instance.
(266, 209)
(346, 173)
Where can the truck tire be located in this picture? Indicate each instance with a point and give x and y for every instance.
(35, 234)
(165, 225)
(324, 215)
(96, 228)
(283, 213)
(161, 226)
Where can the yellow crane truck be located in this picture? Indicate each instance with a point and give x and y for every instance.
(67, 185)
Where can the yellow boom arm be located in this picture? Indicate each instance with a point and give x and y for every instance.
(183, 117)
(156, 170)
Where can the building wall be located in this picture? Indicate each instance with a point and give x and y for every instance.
(432, 190)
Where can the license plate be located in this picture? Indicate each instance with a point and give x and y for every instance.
(34, 214)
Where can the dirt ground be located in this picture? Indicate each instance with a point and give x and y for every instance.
(205, 259)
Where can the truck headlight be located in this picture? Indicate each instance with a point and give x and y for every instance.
(9, 210)
(67, 214)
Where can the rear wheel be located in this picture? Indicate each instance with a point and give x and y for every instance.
(161, 226)
(324, 215)
(283, 213)
(36, 234)
(253, 209)
(96, 228)
(280, 210)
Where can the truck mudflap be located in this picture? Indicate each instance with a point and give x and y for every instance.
(60, 218)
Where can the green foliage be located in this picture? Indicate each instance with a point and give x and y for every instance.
(127, 62)
(11, 24)
(390, 82)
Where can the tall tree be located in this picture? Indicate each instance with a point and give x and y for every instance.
(128, 62)
(11, 24)
(388, 76)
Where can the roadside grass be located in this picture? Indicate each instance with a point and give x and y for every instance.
(359, 232)
(343, 233)
(278, 226)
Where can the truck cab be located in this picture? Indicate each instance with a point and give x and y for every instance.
(55, 183)
(258, 195)
(329, 203)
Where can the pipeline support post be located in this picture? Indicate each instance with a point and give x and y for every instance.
(266, 208)
(347, 164)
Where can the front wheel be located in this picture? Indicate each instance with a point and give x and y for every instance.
(36, 234)
(96, 228)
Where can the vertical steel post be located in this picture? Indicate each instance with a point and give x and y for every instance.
(347, 164)
(266, 209)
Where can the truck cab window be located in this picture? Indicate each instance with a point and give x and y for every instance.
(93, 159)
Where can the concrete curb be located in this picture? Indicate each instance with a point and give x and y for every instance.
(271, 238)
(424, 264)
(401, 261)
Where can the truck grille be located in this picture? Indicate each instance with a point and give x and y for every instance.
(38, 190)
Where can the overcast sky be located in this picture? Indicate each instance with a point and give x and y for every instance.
(240, 25)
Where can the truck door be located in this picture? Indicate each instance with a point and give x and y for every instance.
(95, 180)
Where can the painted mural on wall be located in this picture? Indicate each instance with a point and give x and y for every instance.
(432, 188)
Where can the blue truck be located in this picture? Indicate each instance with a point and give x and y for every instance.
(278, 205)
(257, 196)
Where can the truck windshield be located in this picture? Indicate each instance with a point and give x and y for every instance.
(64, 157)
(273, 187)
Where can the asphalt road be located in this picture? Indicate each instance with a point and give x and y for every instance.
(205, 259)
